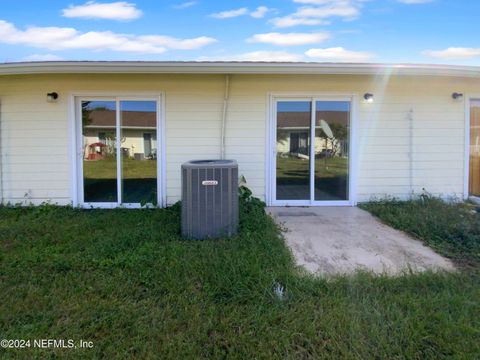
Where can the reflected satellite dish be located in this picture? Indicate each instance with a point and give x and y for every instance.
(326, 129)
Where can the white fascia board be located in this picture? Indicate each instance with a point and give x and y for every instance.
(113, 67)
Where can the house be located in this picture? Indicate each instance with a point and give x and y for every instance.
(138, 136)
(108, 133)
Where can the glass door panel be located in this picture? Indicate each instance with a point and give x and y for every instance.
(332, 133)
(474, 169)
(293, 150)
(99, 151)
(138, 129)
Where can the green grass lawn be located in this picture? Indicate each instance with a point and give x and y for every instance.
(125, 280)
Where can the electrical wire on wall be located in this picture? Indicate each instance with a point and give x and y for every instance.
(410, 151)
(224, 115)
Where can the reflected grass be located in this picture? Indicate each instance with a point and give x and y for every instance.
(292, 167)
(131, 169)
(139, 180)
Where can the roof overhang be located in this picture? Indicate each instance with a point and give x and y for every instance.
(140, 67)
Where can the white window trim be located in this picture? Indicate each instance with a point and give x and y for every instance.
(270, 161)
(76, 150)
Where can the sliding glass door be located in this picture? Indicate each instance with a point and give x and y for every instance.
(331, 150)
(139, 157)
(474, 161)
(119, 152)
(100, 153)
(293, 150)
(312, 151)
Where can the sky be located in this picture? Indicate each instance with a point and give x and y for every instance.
(379, 31)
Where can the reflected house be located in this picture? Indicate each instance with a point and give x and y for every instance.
(297, 177)
(119, 155)
(294, 133)
(138, 139)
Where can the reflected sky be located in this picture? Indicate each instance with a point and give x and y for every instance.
(147, 106)
(92, 105)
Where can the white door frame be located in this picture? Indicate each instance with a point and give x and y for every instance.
(76, 148)
(270, 191)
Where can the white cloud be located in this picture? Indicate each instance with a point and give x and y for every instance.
(453, 53)
(230, 13)
(317, 12)
(178, 44)
(119, 10)
(42, 57)
(57, 38)
(260, 12)
(279, 56)
(289, 21)
(185, 5)
(339, 54)
(289, 39)
(415, 1)
(343, 11)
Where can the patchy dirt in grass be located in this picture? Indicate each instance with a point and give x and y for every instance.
(342, 240)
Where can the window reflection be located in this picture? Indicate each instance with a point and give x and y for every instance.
(138, 121)
(136, 146)
(293, 150)
(329, 150)
(332, 128)
(99, 151)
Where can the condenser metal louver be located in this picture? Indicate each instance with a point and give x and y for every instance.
(209, 198)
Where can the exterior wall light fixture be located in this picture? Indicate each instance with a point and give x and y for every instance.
(52, 97)
(368, 98)
(457, 96)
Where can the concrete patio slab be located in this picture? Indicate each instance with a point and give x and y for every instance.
(341, 240)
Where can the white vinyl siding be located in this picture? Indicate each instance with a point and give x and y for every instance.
(35, 135)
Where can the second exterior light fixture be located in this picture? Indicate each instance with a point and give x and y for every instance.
(368, 97)
(52, 97)
(457, 96)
